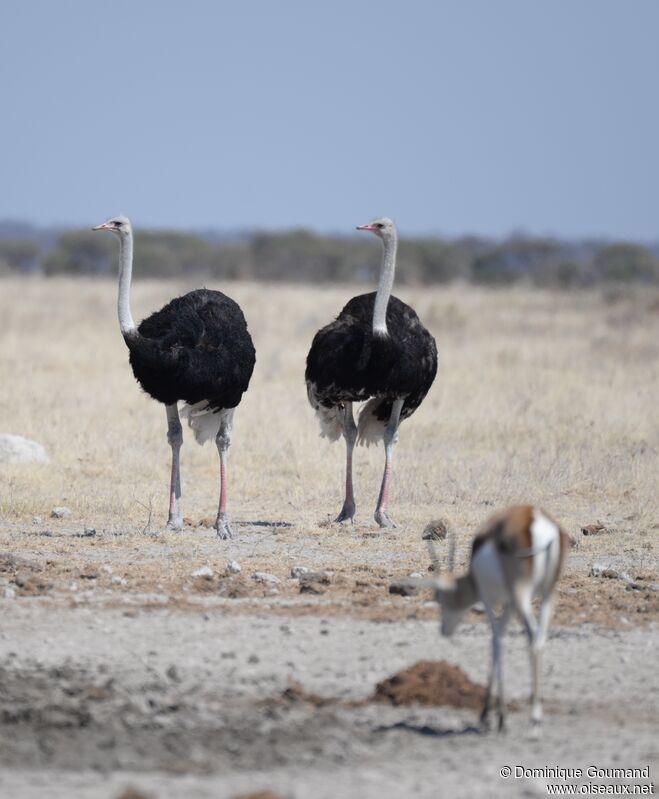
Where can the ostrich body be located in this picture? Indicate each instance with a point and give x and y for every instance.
(375, 350)
(196, 349)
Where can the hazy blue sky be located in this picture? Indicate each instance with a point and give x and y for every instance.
(479, 116)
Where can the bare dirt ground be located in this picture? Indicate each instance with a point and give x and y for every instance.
(119, 668)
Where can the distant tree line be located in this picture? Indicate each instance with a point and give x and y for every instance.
(305, 257)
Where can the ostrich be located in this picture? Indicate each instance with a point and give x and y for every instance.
(196, 349)
(375, 350)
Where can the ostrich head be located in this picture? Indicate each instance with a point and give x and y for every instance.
(383, 227)
(120, 225)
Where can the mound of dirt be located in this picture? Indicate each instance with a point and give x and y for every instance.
(431, 682)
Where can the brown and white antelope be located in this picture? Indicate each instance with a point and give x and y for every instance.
(515, 556)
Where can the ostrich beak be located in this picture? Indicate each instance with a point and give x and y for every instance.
(365, 227)
(102, 226)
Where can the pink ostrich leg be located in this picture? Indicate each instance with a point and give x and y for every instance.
(390, 438)
(350, 434)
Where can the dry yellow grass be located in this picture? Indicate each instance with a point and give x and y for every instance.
(542, 397)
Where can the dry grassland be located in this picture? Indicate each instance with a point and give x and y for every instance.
(541, 397)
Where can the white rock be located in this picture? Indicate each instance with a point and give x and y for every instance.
(298, 571)
(203, 571)
(60, 512)
(119, 580)
(16, 449)
(37, 520)
(264, 577)
(416, 576)
(233, 567)
(10, 593)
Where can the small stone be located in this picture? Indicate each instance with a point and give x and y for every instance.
(116, 580)
(597, 570)
(204, 571)
(416, 576)
(298, 571)
(436, 530)
(172, 673)
(60, 512)
(37, 520)
(253, 659)
(10, 593)
(404, 588)
(89, 532)
(106, 568)
(264, 577)
(594, 529)
(233, 567)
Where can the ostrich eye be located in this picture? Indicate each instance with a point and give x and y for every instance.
(379, 225)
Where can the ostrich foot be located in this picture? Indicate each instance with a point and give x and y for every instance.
(223, 527)
(382, 519)
(347, 513)
(174, 524)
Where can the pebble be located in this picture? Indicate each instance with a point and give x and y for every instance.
(60, 512)
(404, 588)
(233, 567)
(298, 571)
(10, 593)
(597, 570)
(264, 577)
(119, 580)
(416, 576)
(203, 571)
(37, 520)
(172, 673)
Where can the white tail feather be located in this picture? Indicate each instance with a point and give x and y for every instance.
(203, 421)
(330, 419)
(370, 430)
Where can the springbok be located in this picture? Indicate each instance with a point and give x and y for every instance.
(516, 555)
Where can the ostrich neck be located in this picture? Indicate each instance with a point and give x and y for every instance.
(384, 287)
(126, 323)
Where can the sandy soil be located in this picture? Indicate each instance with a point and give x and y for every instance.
(120, 669)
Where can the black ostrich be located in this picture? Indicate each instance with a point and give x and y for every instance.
(376, 350)
(197, 350)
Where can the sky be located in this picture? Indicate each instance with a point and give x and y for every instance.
(471, 117)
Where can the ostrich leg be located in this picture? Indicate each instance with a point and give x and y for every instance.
(350, 435)
(223, 441)
(175, 438)
(390, 439)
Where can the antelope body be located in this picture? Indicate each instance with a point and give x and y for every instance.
(516, 555)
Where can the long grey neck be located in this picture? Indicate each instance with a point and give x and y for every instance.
(126, 323)
(384, 286)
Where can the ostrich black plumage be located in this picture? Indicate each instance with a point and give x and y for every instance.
(375, 350)
(197, 350)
